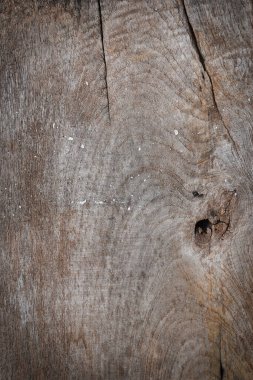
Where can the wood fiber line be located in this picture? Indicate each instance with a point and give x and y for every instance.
(126, 189)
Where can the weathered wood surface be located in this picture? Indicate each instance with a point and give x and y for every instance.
(123, 124)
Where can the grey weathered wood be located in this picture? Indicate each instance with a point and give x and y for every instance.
(123, 124)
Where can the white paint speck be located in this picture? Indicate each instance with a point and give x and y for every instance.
(99, 202)
(19, 206)
(131, 195)
(87, 83)
(144, 180)
(82, 146)
(139, 148)
(131, 177)
(53, 125)
(248, 99)
(176, 132)
(82, 202)
(70, 138)
(129, 208)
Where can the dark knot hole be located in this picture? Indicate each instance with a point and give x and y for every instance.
(203, 226)
(203, 231)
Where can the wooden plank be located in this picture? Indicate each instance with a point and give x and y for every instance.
(224, 35)
(126, 134)
(54, 125)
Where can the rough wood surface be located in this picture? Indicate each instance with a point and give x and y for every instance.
(126, 189)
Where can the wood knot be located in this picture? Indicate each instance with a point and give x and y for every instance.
(217, 221)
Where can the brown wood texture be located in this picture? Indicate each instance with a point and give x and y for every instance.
(126, 189)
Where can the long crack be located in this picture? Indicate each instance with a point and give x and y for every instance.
(222, 370)
(203, 64)
(104, 56)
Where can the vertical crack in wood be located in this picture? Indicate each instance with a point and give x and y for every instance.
(203, 64)
(104, 55)
(194, 40)
(79, 7)
(222, 372)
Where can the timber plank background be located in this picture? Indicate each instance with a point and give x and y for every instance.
(123, 124)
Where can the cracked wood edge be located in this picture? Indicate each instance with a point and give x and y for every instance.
(202, 61)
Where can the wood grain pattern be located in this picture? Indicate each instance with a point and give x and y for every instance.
(123, 125)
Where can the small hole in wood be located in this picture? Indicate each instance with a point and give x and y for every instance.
(197, 194)
(203, 231)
